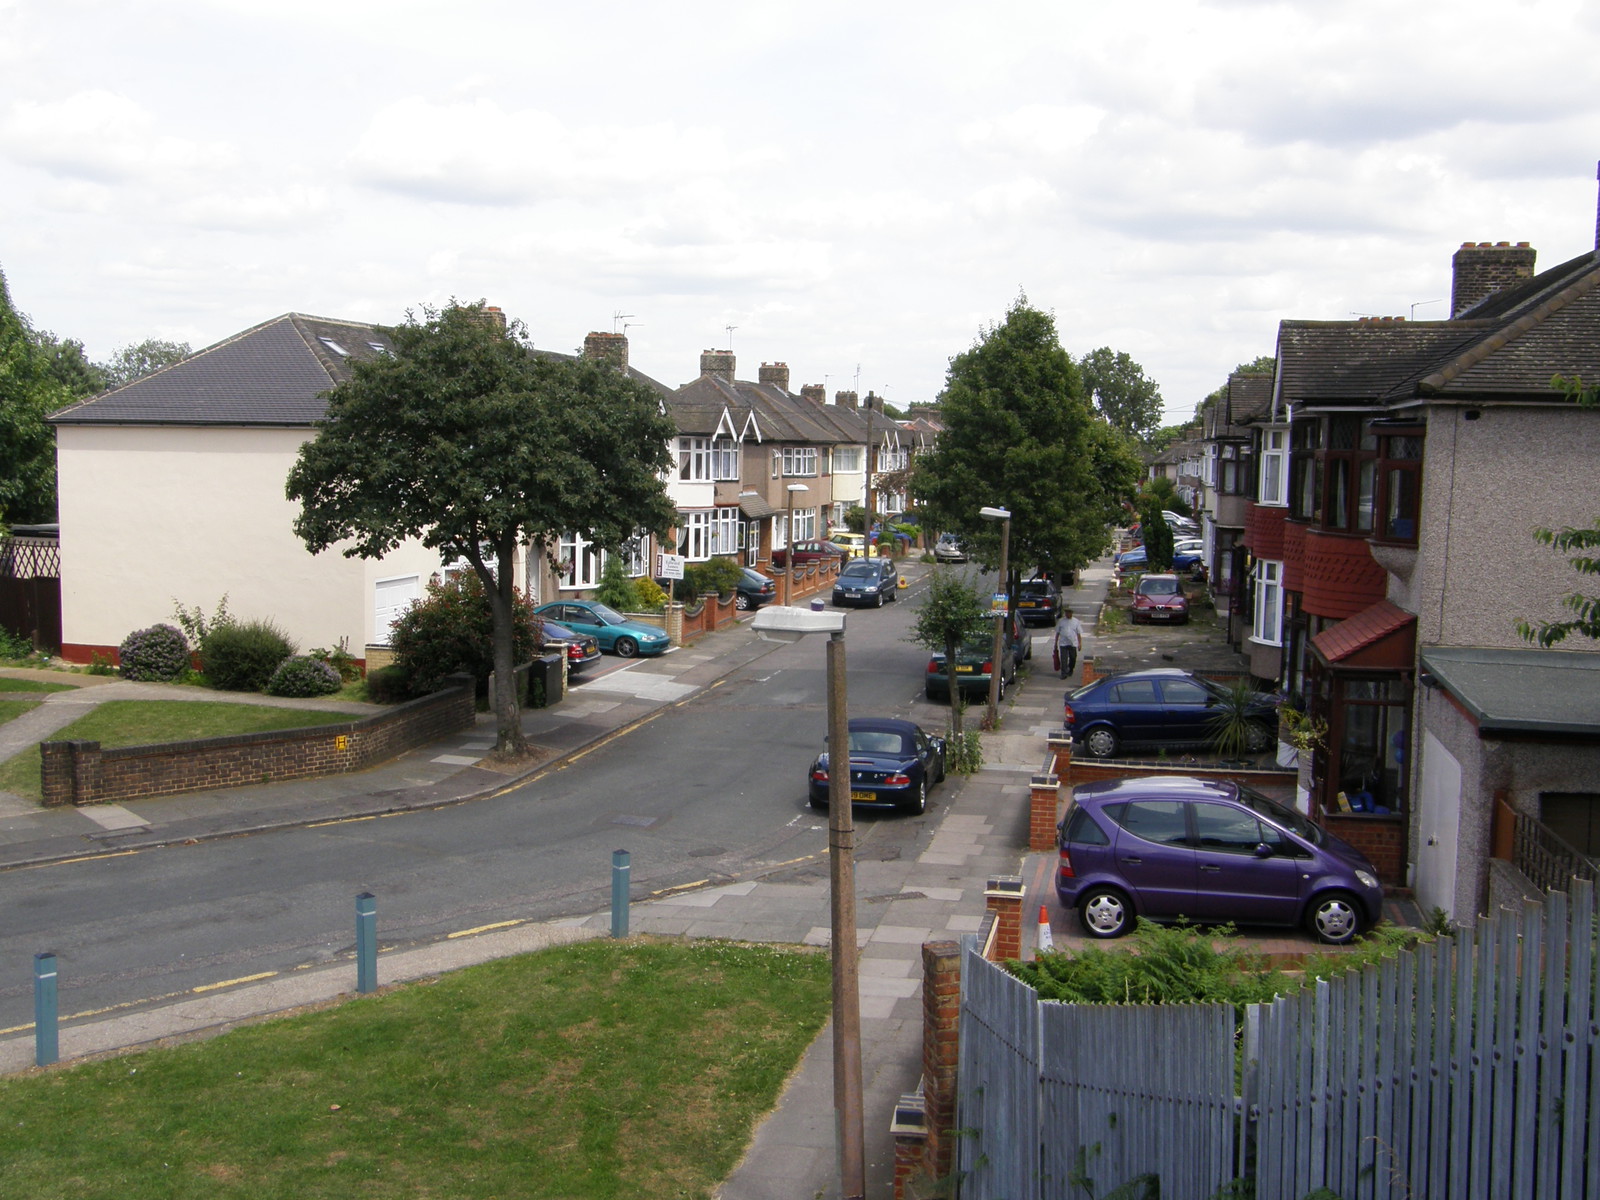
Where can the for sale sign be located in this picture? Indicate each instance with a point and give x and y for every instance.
(669, 566)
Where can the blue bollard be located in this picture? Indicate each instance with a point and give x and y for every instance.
(46, 1046)
(366, 943)
(621, 872)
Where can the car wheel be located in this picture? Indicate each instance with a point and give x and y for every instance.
(742, 602)
(930, 694)
(818, 804)
(1000, 692)
(1256, 738)
(1334, 918)
(919, 802)
(1101, 742)
(1105, 913)
(626, 647)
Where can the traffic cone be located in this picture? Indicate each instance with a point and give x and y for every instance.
(1045, 942)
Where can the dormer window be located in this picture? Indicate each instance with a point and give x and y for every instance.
(335, 347)
(377, 347)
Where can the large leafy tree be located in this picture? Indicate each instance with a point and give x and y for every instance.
(1124, 394)
(1020, 434)
(467, 438)
(29, 392)
(950, 614)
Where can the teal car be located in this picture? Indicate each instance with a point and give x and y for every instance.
(615, 633)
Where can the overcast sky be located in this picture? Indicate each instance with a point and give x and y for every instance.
(858, 188)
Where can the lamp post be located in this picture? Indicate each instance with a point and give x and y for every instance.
(788, 543)
(1004, 517)
(787, 624)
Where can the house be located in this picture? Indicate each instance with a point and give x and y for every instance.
(1229, 475)
(1403, 469)
(172, 493)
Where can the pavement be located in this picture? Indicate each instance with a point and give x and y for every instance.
(979, 830)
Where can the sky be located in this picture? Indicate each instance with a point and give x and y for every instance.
(858, 190)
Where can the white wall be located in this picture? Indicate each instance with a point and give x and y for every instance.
(152, 517)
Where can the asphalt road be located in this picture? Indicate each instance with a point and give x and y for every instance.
(712, 789)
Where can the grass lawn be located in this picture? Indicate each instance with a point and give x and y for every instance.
(144, 722)
(599, 1070)
(10, 709)
(31, 685)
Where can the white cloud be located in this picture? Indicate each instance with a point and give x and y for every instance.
(101, 136)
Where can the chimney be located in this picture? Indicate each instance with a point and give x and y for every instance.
(817, 393)
(845, 399)
(717, 364)
(607, 347)
(1483, 268)
(873, 402)
(775, 373)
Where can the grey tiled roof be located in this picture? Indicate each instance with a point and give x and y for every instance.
(781, 416)
(272, 374)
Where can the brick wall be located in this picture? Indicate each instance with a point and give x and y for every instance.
(1381, 838)
(84, 773)
(1087, 770)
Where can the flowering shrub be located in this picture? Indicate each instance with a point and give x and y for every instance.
(303, 675)
(159, 654)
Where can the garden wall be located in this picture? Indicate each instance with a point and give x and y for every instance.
(82, 773)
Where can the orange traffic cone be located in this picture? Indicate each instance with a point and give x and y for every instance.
(1045, 942)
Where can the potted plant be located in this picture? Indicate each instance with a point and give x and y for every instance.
(1235, 724)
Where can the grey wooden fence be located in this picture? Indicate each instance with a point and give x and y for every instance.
(1467, 1068)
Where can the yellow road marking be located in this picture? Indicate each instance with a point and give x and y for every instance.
(482, 929)
(64, 862)
(341, 821)
(211, 987)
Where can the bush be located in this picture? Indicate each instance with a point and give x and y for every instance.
(720, 575)
(13, 647)
(304, 675)
(452, 629)
(388, 685)
(651, 597)
(158, 654)
(340, 659)
(616, 589)
(242, 655)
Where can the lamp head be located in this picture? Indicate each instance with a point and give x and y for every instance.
(994, 514)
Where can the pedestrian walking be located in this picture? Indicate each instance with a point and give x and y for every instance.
(1069, 637)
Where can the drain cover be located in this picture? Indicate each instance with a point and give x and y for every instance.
(640, 822)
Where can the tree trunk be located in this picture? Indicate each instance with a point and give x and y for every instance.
(508, 713)
(955, 696)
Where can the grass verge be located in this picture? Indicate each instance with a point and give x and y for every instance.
(147, 722)
(598, 1070)
(31, 685)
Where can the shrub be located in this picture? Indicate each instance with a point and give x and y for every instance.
(388, 685)
(616, 589)
(304, 675)
(340, 659)
(13, 647)
(242, 655)
(720, 575)
(196, 624)
(651, 597)
(158, 654)
(452, 629)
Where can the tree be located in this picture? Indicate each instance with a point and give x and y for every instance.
(28, 394)
(145, 358)
(1585, 620)
(1157, 536)
(1164, 493)
(69, 366)
(950, 614)
(1019, 434)
(1124, 394)
(467, 438)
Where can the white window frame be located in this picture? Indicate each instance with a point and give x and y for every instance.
(584, 560)
(846, 459)
(805, 524)
(1269, 604)
(1274, 479)
(724, 459)
(800, 461)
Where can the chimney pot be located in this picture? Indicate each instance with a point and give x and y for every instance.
(845, 399)
(776, 374)
(815, 392)
(1480, 270)
(718, 364)
(607, 347)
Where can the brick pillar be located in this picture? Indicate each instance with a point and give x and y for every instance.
(1003, 897)
(910, 1130)
(55, 773)
(941, 1046)
(1044, 797)
(1089, 675)
(673, 622)
(1060, 743)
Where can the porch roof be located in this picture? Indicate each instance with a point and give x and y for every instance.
(1382, 635)
(1520, 691)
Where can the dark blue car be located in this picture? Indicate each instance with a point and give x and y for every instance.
(1159, 709)
(893, 764)
(1211, 851)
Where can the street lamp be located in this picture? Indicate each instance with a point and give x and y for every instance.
(782, 623)
(995, 670)
(788, 536)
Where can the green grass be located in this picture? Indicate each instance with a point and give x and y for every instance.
(604, 1069)
(145, 722)
(32, 685)
(11, 709)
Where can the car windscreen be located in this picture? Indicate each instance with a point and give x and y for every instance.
(1158, 587)
(1281, 815)
(607, 614)
(862, 568)
(877, 741)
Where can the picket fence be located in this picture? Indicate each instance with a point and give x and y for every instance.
(1467, 1068)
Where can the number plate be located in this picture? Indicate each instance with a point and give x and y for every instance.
(964, 670)
(863, 797)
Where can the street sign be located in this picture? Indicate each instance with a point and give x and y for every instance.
(997, 605)
(669, 566)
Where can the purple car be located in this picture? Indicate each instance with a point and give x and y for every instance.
(1172, 846)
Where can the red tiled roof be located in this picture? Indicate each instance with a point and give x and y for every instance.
(1366, 628)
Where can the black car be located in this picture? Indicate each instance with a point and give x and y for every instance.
(1164, 708)
(867, 581)
(1038, 601)
(755, 589)
(893, 764)
(581, 649)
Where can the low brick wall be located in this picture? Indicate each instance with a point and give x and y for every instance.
(708, 615)
(1083, 770)
(1381, 837)
(82, 773)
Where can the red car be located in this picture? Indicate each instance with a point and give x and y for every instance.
(1160, 598)
(810, 551)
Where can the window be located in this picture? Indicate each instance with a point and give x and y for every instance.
(1159, 821)
(800, 460)
(1269, 604)
(705, 459)
(708, 532)
(581, 561)
(1371, 748)
(1221, 827)
(335, 347)
(1399, 475)
(1305, 477)
(635, 555)
(1274, 456)
(805, 523)
(846, 459)
(1235, 475)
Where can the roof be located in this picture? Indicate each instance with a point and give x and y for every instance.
(698, 408)
(1550, 692)
(1362, 632)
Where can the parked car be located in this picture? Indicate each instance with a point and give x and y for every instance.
(867, 581)
(949, 549)
(893, 764)
(809, 551)
(1187, 555)
(581, 649)
(754, 590)
(1211, 851)
(1160, 598)
(1164, 707)
(1038, 601)
(855, 544)
(974, 666)
(1180, 524)
(615, 632)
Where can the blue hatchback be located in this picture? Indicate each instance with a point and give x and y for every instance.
(615, 632)
(1158, 709)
